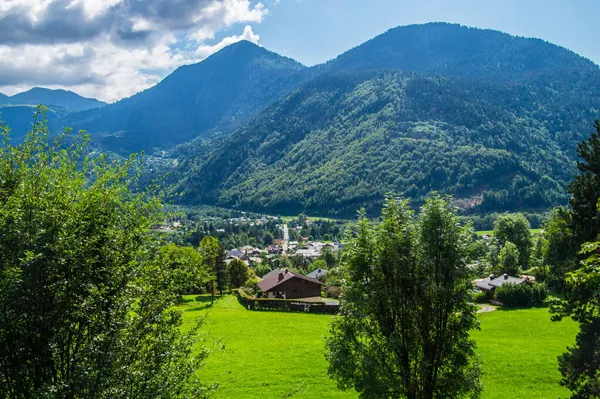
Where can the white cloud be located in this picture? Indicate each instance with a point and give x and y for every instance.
(204, 51)
(118, 47)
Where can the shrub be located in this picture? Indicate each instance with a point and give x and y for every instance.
(480, 297)
(522, 295)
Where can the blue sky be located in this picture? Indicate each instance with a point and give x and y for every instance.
(110, 49)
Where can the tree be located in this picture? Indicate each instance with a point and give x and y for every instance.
(268, 238)
(585, 189)
(515, 228)
(86, 309)
(329, 258)
(238, 273)
(580, 365)
(403, 328)
(509, 259)
(189, 271)
(319, 264)
(214, 258)
(560, 247)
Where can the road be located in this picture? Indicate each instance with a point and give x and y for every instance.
(286, 237)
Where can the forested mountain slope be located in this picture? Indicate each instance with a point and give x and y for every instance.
(217, 94)
(346, 139)
(483, 115)
(19, 118)
(69, 101)
(451, 49)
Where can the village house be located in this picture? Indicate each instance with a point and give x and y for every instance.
(318, 274)
(289, 285)
(489, 285)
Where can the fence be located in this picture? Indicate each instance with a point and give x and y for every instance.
(286, 305)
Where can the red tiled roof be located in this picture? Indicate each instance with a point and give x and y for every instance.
(273, 281)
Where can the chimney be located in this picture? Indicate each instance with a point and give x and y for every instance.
(286, 271)
(492, 276)
(505, 276)
(280, 276)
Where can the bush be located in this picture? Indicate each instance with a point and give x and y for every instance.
(523, 295)
(480, 297)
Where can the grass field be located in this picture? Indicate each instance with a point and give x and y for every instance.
(491, 232)
(280, 355)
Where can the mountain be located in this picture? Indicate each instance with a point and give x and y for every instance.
(3, 98)
(491, 118)
(218, 94)
(71, 102)
(451, 49)
(19, 118)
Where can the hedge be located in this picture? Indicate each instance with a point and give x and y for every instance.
(522, 295)
(288, 305)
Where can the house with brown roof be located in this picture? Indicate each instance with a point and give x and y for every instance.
(289, 285)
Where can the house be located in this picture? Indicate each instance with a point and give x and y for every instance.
(234, 253)
(318, 274)
(271, 273)
(489, 285)
(274, 249)
(290, 285)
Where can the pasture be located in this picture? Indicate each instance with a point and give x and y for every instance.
(281, 355)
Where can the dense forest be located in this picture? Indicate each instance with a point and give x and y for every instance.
(345, 139)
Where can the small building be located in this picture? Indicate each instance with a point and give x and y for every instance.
(489, 285)
(318, 274)
(234, 253)
(289, 285)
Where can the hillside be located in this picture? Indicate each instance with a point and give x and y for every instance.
(367, 126)
(69, 101)
(451, 49)
(19, 118)
(217, 94)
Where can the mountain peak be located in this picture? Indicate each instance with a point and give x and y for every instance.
(454, 49)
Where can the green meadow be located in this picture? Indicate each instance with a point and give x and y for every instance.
(491, 232)
(281, 355)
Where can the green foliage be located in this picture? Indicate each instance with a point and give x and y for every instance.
(403, 329)
(568, 229)
(238, 273)
(521, 295)
(508, 259)
(214, 259)
(320, 264)
(585, 189)
(480, 297)
(560, 247)
(190, 274)
(515, 228)
(580, 364)
(87, 311)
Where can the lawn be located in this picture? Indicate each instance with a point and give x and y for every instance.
(491, 232)
(280, 355)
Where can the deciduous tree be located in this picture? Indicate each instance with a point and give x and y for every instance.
(515, 228)
(403, 330)
(85, 310)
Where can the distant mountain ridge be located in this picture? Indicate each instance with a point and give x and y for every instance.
(218, 94)
(68, 100)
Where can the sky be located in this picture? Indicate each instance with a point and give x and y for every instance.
(110, 49)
